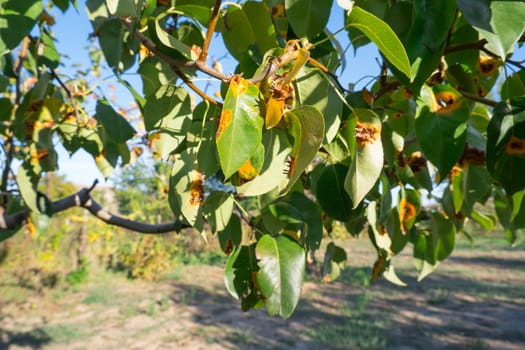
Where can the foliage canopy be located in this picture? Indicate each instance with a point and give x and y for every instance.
(284, 150)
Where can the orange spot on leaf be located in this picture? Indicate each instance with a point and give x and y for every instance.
(446, 102)
(515, 146)
(224, 122)
(197, 189)
(247, 171)
(488, 65)
(407, 213)
(366, 134)
(239, 85)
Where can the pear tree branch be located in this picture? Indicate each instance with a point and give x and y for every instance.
(83, 199)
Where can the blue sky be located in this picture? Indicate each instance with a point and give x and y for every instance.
(72, 31)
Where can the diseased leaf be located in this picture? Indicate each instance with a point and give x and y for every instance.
(506, 148)
(367, 161)
(240, 127)
(306, 126)
(441, 126)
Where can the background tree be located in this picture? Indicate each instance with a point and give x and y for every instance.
(408, 158)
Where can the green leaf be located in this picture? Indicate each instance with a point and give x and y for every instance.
(17, 20)
(299, 209)
(306, 126)
(476, 12)
(506, 21)
(277, 148)
(427, 38)
(240, 128)
(155, 73)
(218, 209)
(280, 277)
(231, 236)
(313, 88)
(111, 39)
(383, 36)
(168, 113)
(331, 194)
(117, 128)
(186, 193)
(367, 161)
(122, 8)
(169, 42)
(381, 240)
(308, 18)
(258, 14)
(238, 34)
(443, 236)
(48, 52)
(441, 126)
(506, 148)
(239, 277)
(334, 262)
(26, 181)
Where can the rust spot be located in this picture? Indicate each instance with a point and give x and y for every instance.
(35, 106)
(379, 267)
(446, 102)
(278, 11)
(238, 85)
(397, 115)
(472, 155)
(515, 146)
(417, 162)
(366, 134)
(228, 247)
(224, 122)
(407, 213)
(455, 171)
(487, 66)
(39, 154)
(401, 160)
(407, 94)
(197, 189)
(247, 171)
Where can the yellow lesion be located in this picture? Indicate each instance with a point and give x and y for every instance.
(487, 66)
(407, 213)
(224, 122)
(446, 102)
(247, 171)
(239, 85)
(515, 146)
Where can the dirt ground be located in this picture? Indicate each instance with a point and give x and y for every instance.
(475, 300)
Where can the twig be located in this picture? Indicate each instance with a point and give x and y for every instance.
(175, 65)
(83, 199)
(477, 45)
(477, 98)
(68, 92)
(211, 30)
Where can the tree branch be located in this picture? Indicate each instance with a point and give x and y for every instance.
(84, 200)
(477, 45)
(477, 98)
(211, 30)
(177, 66)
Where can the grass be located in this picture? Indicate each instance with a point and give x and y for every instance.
(101, 294)
(63, 333)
